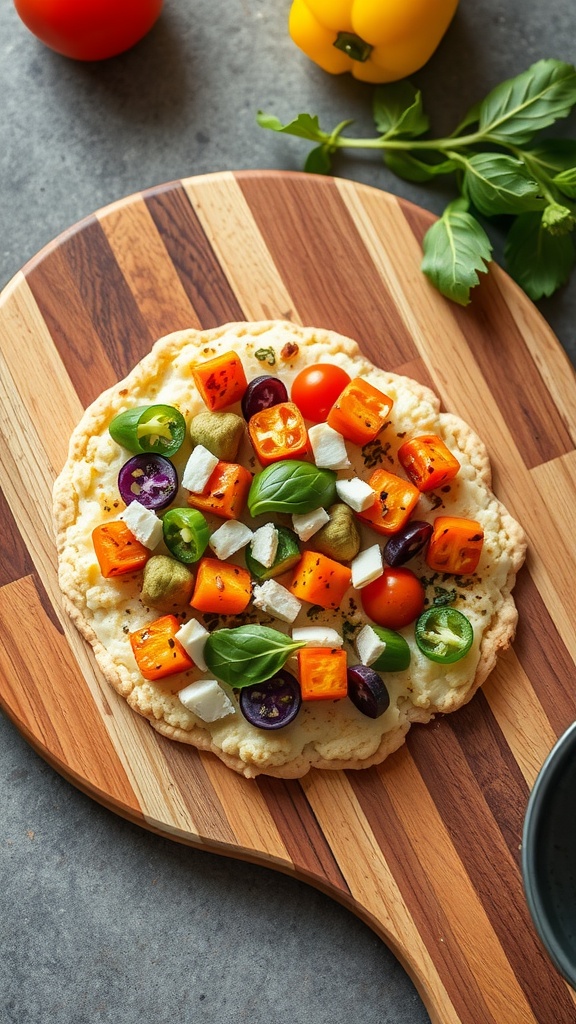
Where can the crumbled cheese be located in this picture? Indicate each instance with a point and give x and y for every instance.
(328, 447)
(229, 538)
(317, 636)
(193, 636)
(143, 523)
(207, 700)
(308, 523)
(356, 493)
(276, 600)
(367, 566)
(199, 469)
(265, 544)
(369, 645)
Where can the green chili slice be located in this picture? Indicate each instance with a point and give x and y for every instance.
(396, 656)
(443, 634)
(149, 428)
(186, 534)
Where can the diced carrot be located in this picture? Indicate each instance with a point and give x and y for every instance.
(221, 381)
(117, 549)
(157, 651)
(278, 433)
(428, 462)
(320, 580)
(455, 545)
(226, 492)
(395, 501)
(322, 672)
(221, 587)
(360, 412)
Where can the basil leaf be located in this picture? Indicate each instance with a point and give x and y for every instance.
(305, 126)
(456, 249)
(539, 261)
(248, 654)
(293, 487)
(518, 108)
(553, 155)
(497, 183)
(397, 110)
(566, 182)
(413, 169)
(319, 160)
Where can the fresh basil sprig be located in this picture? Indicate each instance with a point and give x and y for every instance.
(292, 486)
(501, 167)
(248, 654)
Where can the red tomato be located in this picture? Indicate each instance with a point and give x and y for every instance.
(395, 599)
(316, 388)
(89, 29)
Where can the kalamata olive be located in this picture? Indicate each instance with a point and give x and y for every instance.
(367, 691)
(262, 393)
(407, 543)
(150, 479)
(272, 704)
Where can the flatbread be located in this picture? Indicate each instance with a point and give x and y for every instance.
(325, 734)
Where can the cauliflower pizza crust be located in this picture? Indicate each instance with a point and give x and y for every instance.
(325, 733)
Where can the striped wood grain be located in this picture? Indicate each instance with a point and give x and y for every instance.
(425, 848)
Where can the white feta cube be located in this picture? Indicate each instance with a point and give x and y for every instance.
(193, 636)
(199, 469)
(328, 447)
(308, 523)
(230, 538)
(143, 523)
(274, 599)
(367, 566)
(356, 493)
(265, 544)
(206, 699)
(317, 636)
(369, 645)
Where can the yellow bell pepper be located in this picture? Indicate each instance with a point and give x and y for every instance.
(376, 40)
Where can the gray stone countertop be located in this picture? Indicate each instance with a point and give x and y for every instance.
(100, 921)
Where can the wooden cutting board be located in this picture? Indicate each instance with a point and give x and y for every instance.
(425, 848)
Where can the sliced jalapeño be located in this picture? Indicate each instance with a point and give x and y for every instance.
(186, 534)
(149, 428)
(444, 634)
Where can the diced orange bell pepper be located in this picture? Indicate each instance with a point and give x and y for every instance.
(221, 587)
(320, 580)
(322, 673)
(226, 492)
(360, 412)
(117, 549)
(157, 651)
(428, 462)
(278, 432)
(395, 501)
(455, 545)
(221, 381)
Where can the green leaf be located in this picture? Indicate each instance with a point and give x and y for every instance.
(472, 117)
(498, 183)
(266, 355)
(539, 261)
(414, 169)
(456, 250)
(319, 160)
(518, 108)
(292, 487)
(397, 110)
(553, 155)
(566, 182)
(248, 654)
(305, 126)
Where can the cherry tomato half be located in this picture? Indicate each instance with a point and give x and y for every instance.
(395, 599)
(89, 29)
(316, 388)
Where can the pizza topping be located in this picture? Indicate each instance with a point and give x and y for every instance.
(150, 479)
(316, 388)
(395, 599)
(428, 462)
(221, 587)
(206, 699)
(186, 533)
(408, 542)
(149, 428)
(396, 654)
(278, 433)
(356, 493)
(199, 469)
(248, 654)
(328, 447)
(340, 538)
(287, 556)
(193, 636)
(272, 704)
(455, 545)
(276, 600)
(221, 381)
(220, 432)
(157, 651)
(444, 634)
(229, 538)
(320, 580)
(369, 645)
(292, 487)
(367, 691)
(143, 523)
(262, 393)
(117, 550)
(317, 636)
(322, 673)
(307, 524)
(395, 501)
(367, 566)
(226, 492)
(264, 545)
(166, 583)
(361, 411)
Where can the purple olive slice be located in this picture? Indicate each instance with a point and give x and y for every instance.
(262, 393)
(150, 479)
(407, 543)
(367, 691)
(273, 703)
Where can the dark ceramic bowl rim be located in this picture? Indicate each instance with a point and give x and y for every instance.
(531, 870)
